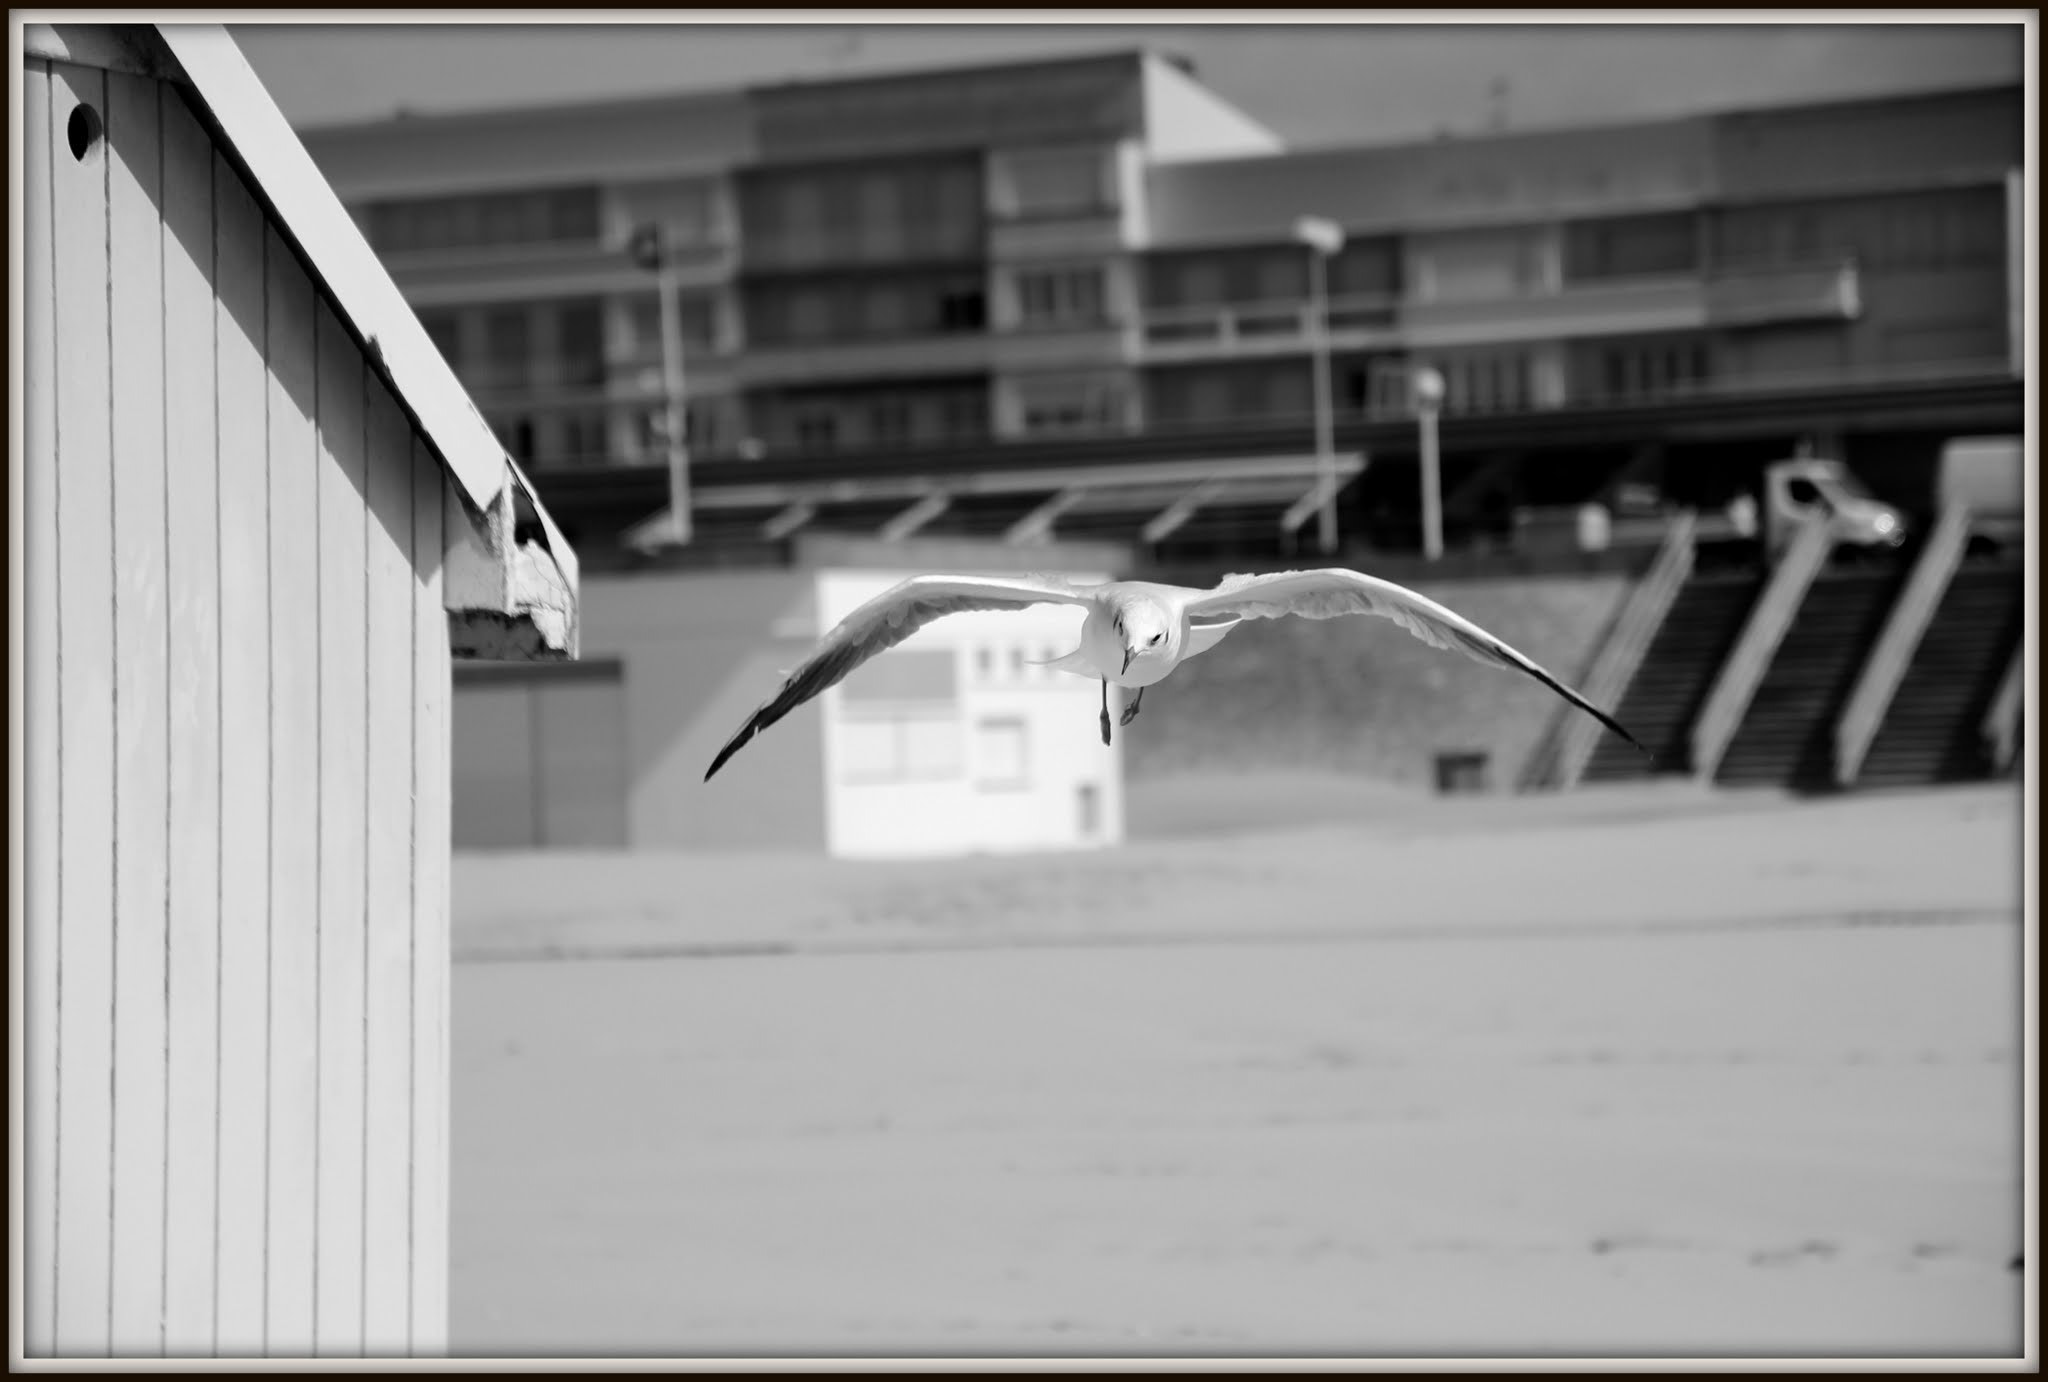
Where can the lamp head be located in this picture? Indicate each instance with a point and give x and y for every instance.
(1320, 234)
(1427, 386)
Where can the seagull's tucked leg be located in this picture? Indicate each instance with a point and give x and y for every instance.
(1131, 710)
(1105, 714)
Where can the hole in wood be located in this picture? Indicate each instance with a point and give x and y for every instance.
(85, 131)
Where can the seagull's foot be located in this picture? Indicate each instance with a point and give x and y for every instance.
(1105, 728)
(1131, 710)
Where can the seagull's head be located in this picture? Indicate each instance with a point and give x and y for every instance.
(1147, 630)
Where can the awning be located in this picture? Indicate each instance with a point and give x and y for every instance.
(1141, 501)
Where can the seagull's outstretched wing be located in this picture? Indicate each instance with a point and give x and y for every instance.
(1327, 593)
(887, 620)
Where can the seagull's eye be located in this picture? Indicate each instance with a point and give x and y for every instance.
(1155, 638)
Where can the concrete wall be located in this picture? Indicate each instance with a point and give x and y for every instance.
(1358, 696)
(1002, 706)
(1185, 120)
(700, 652)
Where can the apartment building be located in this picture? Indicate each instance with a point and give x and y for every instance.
(1094, 259)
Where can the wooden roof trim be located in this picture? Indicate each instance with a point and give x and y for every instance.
(342, 259)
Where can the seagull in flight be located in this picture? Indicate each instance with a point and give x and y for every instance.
(1137, 631)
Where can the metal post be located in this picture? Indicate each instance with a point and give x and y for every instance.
(1326, 460)
(677, 407)
(1432, 489)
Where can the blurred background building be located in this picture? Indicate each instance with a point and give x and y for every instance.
(1072, 300)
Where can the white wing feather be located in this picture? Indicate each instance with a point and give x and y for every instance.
(886, 620)
(1334, 591)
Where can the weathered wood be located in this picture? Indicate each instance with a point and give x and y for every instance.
(242, 1174)
(508, 600)
(192, 531)
(431, 843)
(142, 709)
(294, 800)
(388, 1069)
(85, 723)
(343, 818)
(39, 723)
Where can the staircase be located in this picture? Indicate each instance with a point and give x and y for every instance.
(1675, 675)
(1930, 733)
(1787, 735)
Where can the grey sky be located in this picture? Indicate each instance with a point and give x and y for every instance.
(1313, 84)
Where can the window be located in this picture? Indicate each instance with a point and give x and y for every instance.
(964, 416)
(518, 218)
(1070, 404)
(1282, 277)
(583, 439)
(580, 336)
(817, 429)
(884, 311)
(1627, 246)
(1489, 382)
(1056, 296)
(1058, 182)
(889, 420)
(963, 309)
(698, 314)
(507, 356)
(810, 314)
(1002, 754)
(1643, 368)
(899, 719)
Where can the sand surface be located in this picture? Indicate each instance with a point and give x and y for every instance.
(1698, 1077)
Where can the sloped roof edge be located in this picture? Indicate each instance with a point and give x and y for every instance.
(363, 293)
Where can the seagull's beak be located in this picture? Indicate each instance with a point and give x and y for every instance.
(1129, 653)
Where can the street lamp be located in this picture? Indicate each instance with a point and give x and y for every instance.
(1427, 387)
(651, 251)
(1325, 239)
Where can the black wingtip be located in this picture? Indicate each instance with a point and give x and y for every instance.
(728, 751)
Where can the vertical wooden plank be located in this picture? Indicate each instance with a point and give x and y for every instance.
(387, 1092)
(85, 615)
(338, 1240)
(193, 596)
(294, 799)
(41, 823)
(142, 708)
(243, 1015)
(431, 844)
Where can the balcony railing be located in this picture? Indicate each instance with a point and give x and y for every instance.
(1742, 296)
(626, 401)
(1828, 290)
(1232, 327)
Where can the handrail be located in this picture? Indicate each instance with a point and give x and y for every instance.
(1765, 629)
(1885, 665)
(2001, 727)
(1620, 655)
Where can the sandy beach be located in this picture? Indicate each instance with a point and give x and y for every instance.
(1692, 1077)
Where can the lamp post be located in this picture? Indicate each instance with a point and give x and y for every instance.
(1325, 239)
(1427, 387)
(650, 250)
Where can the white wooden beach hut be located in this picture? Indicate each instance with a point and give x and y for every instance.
(259, 516)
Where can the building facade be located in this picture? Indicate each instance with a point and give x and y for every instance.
(1096, 258)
